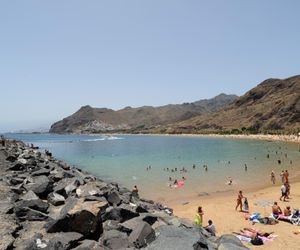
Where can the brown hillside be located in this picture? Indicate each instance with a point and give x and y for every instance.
(272, 105)
(134, 120)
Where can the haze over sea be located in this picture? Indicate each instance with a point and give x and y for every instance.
(124, 159)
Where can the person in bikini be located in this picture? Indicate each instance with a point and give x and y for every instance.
(239, 201)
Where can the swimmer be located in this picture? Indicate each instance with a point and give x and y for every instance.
(246, 168)
(229, 181)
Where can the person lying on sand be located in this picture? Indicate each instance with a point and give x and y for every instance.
(255, 240)
(259, 232)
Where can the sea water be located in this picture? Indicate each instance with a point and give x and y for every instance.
(125, 159)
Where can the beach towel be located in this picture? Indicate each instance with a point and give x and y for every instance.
(243, 238)
(255, 218)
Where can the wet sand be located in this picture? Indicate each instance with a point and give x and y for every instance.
(220, 208)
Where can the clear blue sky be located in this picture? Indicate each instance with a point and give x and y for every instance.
(56, 56)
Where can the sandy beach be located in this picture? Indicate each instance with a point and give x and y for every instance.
(265, 137)
(221, 210)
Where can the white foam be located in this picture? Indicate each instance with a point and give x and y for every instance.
(104, 139)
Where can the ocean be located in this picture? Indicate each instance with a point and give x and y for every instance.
(125, 159)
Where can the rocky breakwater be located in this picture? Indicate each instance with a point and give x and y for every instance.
(47, 204)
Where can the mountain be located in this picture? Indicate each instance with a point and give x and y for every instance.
(274, 105)
(135, 120)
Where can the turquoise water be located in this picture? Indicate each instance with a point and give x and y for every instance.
(124, 158)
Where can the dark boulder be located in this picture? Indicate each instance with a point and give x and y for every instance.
(41, 186)
(17, 167)
(16, 181)
(142, 208)
(42, 171)
(113, 198)
(31, 162)
(118, 214)
(115, 240)
(66, 186)
(11, 158)
(56, 199)
(36, 204)
(142, 235)
(30, 195)
(129, 225)
(64, 241)
(25, 213)
(89, 245)
(176, 238)
(83, 222)
(111, 225)
(18, 189)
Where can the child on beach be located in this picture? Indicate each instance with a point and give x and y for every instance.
(199, 217)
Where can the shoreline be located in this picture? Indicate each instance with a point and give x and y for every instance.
(264, 137)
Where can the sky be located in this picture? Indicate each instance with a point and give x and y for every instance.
(56, 56)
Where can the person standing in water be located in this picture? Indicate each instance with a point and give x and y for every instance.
(282, 176)
(199, 217)
(273, 180)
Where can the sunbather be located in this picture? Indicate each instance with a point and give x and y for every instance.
(287, 211)
(276, 210)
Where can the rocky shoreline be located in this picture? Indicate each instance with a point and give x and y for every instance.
(47, 204)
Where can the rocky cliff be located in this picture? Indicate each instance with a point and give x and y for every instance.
(97, 120)
(274, 105)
